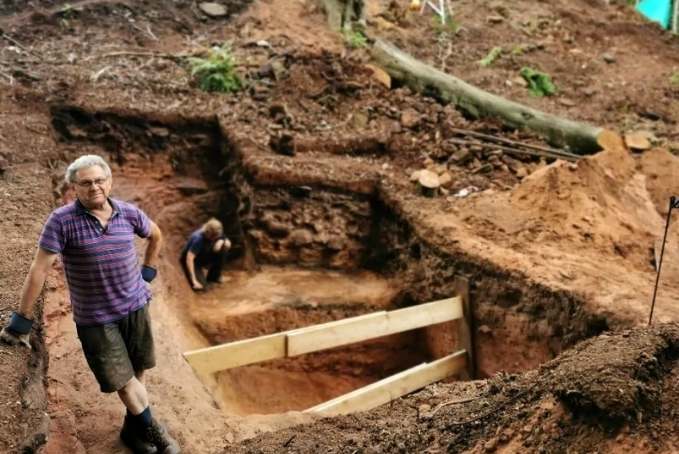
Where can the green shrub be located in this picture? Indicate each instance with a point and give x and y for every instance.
(355, 40)
(539, 83)
(218, 72)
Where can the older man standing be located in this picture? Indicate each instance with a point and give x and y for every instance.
(95, 236)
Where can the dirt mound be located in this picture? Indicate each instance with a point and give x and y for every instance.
(662, 176)
(571, 404)
(600, 202)
(613, 204)
(616, 379)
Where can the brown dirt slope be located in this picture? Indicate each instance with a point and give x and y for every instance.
(614, 70)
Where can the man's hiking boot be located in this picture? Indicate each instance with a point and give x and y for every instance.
(159, 436)
(136, 441)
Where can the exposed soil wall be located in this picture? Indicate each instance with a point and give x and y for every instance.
(520, 324)
(309, 227)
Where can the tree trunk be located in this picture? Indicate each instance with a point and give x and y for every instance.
(559, 132)
(342, 15)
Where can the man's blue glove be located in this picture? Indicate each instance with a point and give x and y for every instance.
(148, 273)
(17, 330)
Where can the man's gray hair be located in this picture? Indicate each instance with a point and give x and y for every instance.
(84, 162)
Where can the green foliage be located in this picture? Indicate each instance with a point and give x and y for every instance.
(67, 15)
(493, 55)
(539, 83)
(450, 27)
(518, 50)
(674, 79)
(355, 40)
(218, 72)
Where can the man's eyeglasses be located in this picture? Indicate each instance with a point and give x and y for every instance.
(88, 183)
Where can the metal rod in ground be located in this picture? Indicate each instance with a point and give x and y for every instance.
(662, 252)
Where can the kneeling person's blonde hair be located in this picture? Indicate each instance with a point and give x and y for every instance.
(213, 228)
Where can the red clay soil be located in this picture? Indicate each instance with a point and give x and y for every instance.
(585, 231)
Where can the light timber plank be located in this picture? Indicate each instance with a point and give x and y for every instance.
(393, 387)
(357, 329)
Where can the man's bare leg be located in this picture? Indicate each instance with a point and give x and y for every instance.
(134, 396)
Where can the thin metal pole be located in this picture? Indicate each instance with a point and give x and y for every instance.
(662, 252)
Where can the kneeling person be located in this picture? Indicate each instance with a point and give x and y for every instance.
(205, 248)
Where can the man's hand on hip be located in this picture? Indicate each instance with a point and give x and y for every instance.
(17, 331)
(148, 273)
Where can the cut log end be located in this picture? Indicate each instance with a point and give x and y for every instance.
(637, 142)
(428, 183)
(609, 140)
(380, 75)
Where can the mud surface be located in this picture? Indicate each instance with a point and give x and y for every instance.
(558, 252)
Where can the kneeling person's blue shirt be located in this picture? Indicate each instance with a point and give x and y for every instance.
(200, 246)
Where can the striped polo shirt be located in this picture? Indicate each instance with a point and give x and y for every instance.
(101, 265)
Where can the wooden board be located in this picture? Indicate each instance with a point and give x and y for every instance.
(248, 351)
(362, 391)
(393, 387)
(359, 329)
(234, 354)
(465, 327)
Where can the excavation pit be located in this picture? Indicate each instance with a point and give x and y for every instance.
(308, 248)
(275, 300)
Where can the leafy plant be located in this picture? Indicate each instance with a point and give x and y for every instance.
(450, 26)
(539, 83)
(493, 55)
(218, 72)
(355, 40)
(674, 79)
(67, 15)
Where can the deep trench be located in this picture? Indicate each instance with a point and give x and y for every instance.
(183, 171)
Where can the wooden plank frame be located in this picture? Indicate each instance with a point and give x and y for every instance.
(393, 387)
(323, 336)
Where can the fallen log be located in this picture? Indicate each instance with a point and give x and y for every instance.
(559, 132)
